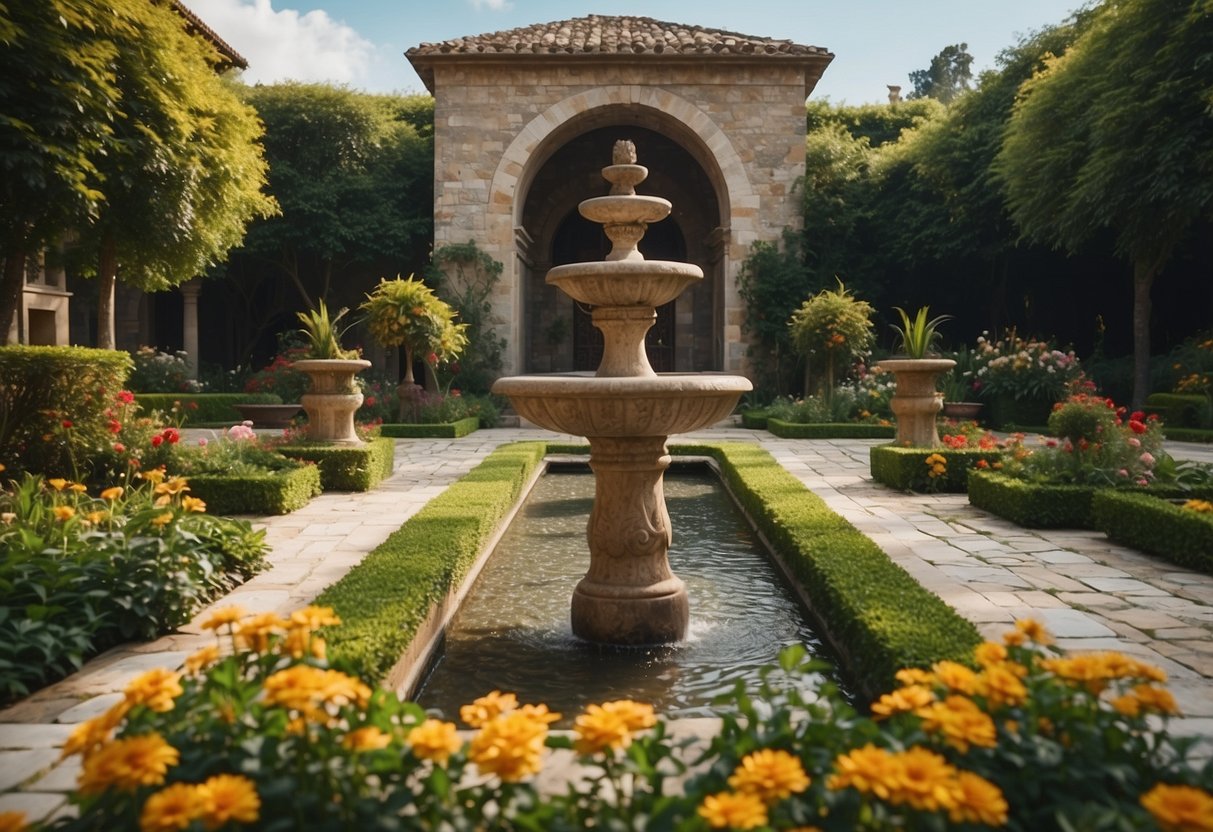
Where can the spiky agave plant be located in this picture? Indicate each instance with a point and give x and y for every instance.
(918, 335)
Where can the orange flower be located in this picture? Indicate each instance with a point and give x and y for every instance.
(1034, 631)
(487, 708)
(769, 774)
(960, 722)
(435, 740)
(369, 738)
(156, 689)
(902, 700)
(222, 617)
(977, 800)
(729, 810)
(233, 798)
(126, 764)
(1180, 808)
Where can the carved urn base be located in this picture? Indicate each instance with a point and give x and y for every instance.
(333, 399)
(915, 401)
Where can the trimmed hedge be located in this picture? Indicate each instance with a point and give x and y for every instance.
(875, 615)
(829, 430)
(1156, 526)
(384, 599)
(347, 469)
(754, 419)
(444, 430)
(53, 403)
(905, 468)
(1180, 410)
(1187, 434)
(274, 492)
(203, 408)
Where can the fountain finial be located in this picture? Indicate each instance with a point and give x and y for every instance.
(624, 153)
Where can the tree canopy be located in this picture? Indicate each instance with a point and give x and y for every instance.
(950, 74)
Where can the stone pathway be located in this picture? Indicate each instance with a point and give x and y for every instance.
(1093, 595)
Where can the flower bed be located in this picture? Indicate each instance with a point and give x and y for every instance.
(829, 430)
(1180, 531)
(439, 430)
(260, 732)
(930, 469)
(344, 468)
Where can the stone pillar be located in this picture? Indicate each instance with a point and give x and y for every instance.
(190, 290)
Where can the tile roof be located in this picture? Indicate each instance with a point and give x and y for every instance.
(607, 35)
(195, 25)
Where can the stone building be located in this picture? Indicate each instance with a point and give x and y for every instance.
(525, 119)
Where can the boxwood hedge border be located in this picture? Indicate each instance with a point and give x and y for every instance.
(905, 468)
(829, 430)
(358, 468)
(1156, 526)
(274, 492)
(441, 430)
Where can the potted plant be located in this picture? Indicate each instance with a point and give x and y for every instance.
(916, 402)
(959, 394)
(333, 396)
(407, 314)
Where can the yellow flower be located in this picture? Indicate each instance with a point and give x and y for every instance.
(1095, 670)
(1146, 698)
(902, 700)
(202, 659)
(729, 810)
(1014, 638)
(955, 676)
(435, 740)
(914, 676)
(511, 745)
(636, 715)
(156, 689)
(1001, 686)
(1180, 808)
(867, 769)
(112, 493)
(255, 633)
(153, 475)
(90, 734)
(194, 504)
(64, 512)
(173, 808)
(233, 797)
(598, 729)
(487, 708)
(1201, 506)
(57, 483)
(977, 800)
(960, 722)
(1034, 631)
(126, 764)
(222, 617)
(925, 780)
(172, 486)
(313, 617)
(162, 520)
(77, 488)
(770, 775)
(990, 652)
(369, 738)
(311, 690)
(12, 821)
(96, 516)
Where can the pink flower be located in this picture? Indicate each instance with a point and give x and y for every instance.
(1123, 472)
(119, 447)
(1147, 458)
(1134, 442)
(239, 433)
(202, 442)
(1143, 481)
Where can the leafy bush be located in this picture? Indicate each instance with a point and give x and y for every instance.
(259, 491)
(53, 403)
(279, 378)
(834, 328)
(931, 469)
(1180, 532)
(1023, 368)
(160, 372)
(1181, 410)
(347, 469)
(466, 276)
(420, 406)
(81, 573)
(201, 408)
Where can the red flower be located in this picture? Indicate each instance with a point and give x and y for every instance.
(981, 463)
(1137, 416)
(115, 426)
(1137, 426)
(432, 358)
(119, 447)
(157, 441)
(171, 435)
(126, 397)
(67, 423)
(370, 401)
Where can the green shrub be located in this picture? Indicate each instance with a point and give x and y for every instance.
(1157, 526)
(908, 469)
(160, 372)
(754, 419)
(53, 405)
(347, 469)
(383, 600)
(201, 408)
(1181, 410)
(447, 430)
(257, 492)
(829, 430)
(1187, 434)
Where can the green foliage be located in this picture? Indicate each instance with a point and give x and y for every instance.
(258, 491)
(347, 469)
(201, 408)
(949, 75)
(772, 282)
(280, 378)
(465, 276)
(828, 430)
(439, 430)
(835, 325)
(1180, 410)
(323, 334)
(1181, 533)
(916, 337)
(879, 124)
(407, 313)
(755, 419)
(384, 599)
(160, 372)
(53, 405)
(1023, 368)
(918, 469)
(1030, 504)
(81, 573)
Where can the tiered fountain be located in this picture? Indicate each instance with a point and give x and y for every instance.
(627, 411)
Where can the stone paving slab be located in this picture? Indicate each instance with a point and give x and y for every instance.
(1093, 595)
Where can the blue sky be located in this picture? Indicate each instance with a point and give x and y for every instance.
(361, 42)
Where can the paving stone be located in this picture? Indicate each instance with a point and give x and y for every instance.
(1144, 619)
(16, 736)
(1068, 623)
(61, 778)
(19, 766)
(90, 708)
(1182, 633)
(35, 807)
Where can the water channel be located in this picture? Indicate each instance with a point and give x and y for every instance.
(512, 632)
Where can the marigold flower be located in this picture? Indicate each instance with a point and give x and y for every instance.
(598, 729)
(193, 504)
(925, 780)
(1146, 698)
(202, 659)
(960, 722)
(162, 520)
(730, 810)
(511, 745)
(64, 513)
(914, 676)
(903, 700)
(233, 798)
(638, 716)
(255, 632)
(990, 652)
(13, 822)
(488, 707)
(769, 774)
(174, 807)
(313, 617)
(1180, 808)
(126, 764)
(310, 690)
(977, 800)
(1034, 631)
(435, 740)
(866, 769)
(112, 493)
(90, 734)
(369, 738)
(156, 689)
(1201, 506)
(1001, 686)
(955, 676)
(222, 617)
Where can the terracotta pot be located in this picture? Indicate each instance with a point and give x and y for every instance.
(268, 415)
(962, 410)
(916, 402)
(332, 399)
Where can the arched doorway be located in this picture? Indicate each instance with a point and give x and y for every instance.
(559, 335)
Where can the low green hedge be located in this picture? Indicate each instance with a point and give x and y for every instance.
(754, 419)
(1156, 526)
(203, 408)
(444, 430)
(1180, 410)
(1187, 434)
(876, 616)
(906, 470)
(347, 469)
(274, 492)
(829, 430)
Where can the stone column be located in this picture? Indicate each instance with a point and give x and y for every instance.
(190, 290)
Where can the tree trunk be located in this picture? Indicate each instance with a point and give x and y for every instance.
(107, 272)
(1143, 279)
(11, 287)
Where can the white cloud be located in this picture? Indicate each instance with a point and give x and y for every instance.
(492, 5)
(284, 44)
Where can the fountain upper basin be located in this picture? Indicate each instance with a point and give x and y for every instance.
(585, 405)
(624, 282)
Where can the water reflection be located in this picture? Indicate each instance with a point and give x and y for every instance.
(513, 633)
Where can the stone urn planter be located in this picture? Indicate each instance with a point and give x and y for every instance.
(916, 402)
(963, 411)
(332, 398)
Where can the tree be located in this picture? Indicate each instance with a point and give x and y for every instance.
(56, 95)
(182, 168)
(1116, 136)
(949, 74)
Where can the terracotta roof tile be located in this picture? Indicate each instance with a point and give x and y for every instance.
(195, 24)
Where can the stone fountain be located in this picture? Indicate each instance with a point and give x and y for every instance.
(626, 411)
